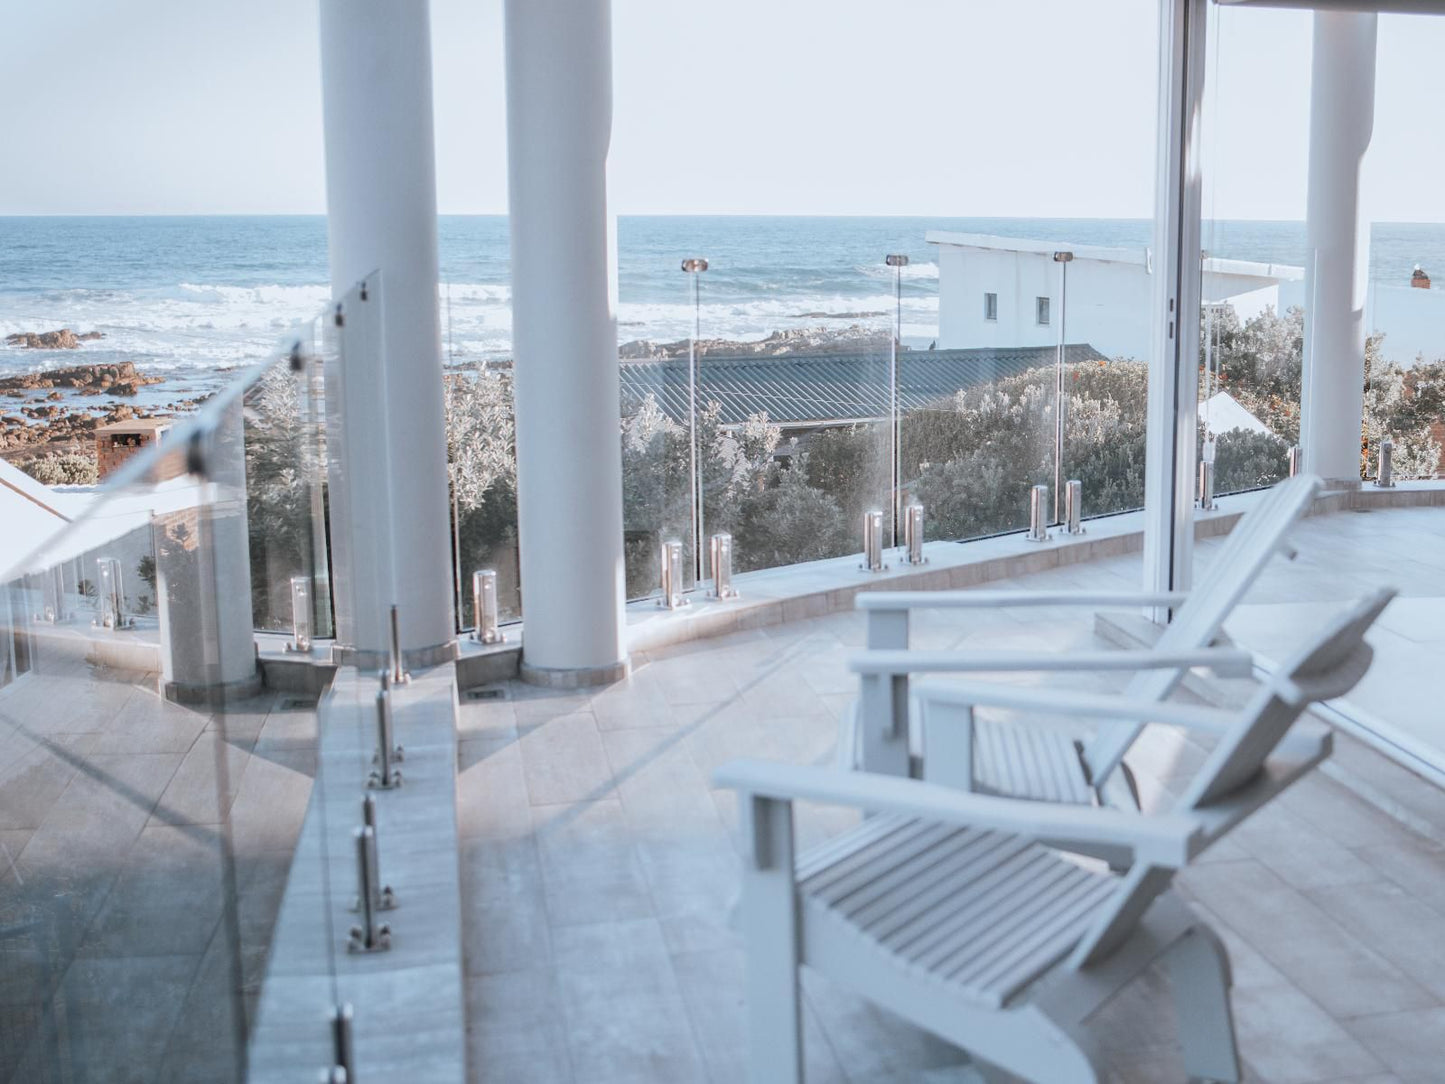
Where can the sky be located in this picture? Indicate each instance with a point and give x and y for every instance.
(925, 107)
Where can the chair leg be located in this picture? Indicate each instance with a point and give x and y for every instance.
(1199, 973)
(775, 1033)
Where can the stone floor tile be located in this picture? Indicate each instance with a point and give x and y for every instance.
(1416, 865)
(1314, 952)
(504, 917)
(167, 899)
(205, 784)
(1409, 1043)
(869, 1043)
(1387, 919)
(712, 989)
(563, 760)
(492, 800)
(590, 867)
(514, 1031)
(622, 1006)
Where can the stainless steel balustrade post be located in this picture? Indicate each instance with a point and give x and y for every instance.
(913, 534)
(720, 552)
(399, 676)
(384, 899)
(1294, 460)
(1074, 507)
(1385, 476)
(343, 1044)
(484, 607)
(300, 615)
(384, 776)
(873, 542)
(672, 584)
(1206, 487)
(1038, 514)
(369, 935)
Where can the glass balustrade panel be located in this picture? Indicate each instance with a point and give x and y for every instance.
(151, 790)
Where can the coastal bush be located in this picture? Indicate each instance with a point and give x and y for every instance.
(68, 469)
(1260, 363)
(278, 496)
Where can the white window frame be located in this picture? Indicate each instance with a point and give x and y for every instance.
(990, 307)
(1043, 310)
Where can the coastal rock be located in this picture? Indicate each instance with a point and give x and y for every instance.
(853, 339)
(120, 378)
(64, 339)
(49, 421)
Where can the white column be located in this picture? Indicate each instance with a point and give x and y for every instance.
(381, 216)
(564, 340)
(1342, 116)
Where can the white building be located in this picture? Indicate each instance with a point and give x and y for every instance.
(1009, 291)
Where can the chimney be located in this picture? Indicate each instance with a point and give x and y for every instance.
(117, 442)
(1419, 279)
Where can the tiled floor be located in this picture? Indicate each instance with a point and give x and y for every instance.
(599, 864)
(117, 956)
(599, 868)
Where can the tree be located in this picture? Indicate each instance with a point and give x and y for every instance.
(482, 472)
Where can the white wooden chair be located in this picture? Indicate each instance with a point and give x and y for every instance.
(965, 913)
(1015, 759)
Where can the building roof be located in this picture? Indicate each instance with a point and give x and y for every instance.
(136, 425)
(1140, 255)
(1222, 412)
(31, 513)
(816, 389)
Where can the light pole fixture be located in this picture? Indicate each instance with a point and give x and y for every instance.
(898, 261)
(1063, 258)
(694, 266)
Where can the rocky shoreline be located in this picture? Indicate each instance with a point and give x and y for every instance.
(42, 422)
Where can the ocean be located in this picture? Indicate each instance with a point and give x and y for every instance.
(187, 298)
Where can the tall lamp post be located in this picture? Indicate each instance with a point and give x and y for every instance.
(1063, 259)
(694, 267)
(897, 261)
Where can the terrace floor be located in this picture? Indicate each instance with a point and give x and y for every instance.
(599, 865)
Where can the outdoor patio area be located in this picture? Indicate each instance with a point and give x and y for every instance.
(600, 866)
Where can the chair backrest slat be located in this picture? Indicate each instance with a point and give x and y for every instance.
(1328, 667)
(1254, 540)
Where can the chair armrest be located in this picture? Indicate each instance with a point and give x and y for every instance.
(974, 600)
(1226, 662)
(1081, 705)
(1166, 840)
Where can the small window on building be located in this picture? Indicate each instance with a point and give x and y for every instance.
(990, 306)
(1041, 311)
